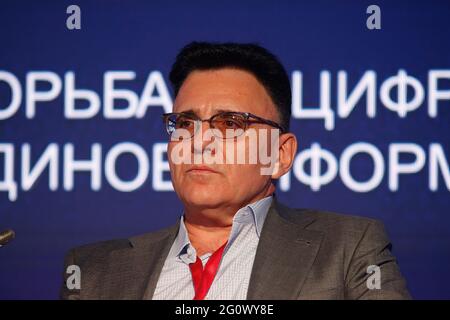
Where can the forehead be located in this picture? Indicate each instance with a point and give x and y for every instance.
(206, 91)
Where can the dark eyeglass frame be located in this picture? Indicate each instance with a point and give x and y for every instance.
(249, 118)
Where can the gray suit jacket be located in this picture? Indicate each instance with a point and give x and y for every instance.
(302, 254)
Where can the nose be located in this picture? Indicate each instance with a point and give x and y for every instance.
(202, 139)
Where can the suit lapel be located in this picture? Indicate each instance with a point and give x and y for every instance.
(285, 254)
(133, 272)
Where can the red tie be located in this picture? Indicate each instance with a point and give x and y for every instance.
(203, 278)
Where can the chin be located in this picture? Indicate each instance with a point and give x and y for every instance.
(202, 197)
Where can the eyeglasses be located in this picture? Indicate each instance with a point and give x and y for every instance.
(237, 122)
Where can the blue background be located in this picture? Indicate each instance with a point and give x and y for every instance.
(143, 36)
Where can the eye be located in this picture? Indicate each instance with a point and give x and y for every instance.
(183, 123)
(231, 124)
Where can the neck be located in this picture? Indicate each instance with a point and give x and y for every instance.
(209, 228)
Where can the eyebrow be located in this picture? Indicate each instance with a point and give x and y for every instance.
(226, 110)
(192, 112)
(189, 112)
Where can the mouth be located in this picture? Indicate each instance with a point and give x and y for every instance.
(201, 170)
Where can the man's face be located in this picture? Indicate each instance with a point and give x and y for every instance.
(205, 93)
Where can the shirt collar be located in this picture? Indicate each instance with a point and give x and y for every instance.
(255, 213)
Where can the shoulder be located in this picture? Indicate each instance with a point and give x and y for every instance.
(341, 235)
(102, 249)
(100, 258)
(322, 217)
(333, 224)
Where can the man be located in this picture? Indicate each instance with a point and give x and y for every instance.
(234, 239)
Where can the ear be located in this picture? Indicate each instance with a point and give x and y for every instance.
(286, 154)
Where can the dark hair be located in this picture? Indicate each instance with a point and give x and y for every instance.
(248, 57)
